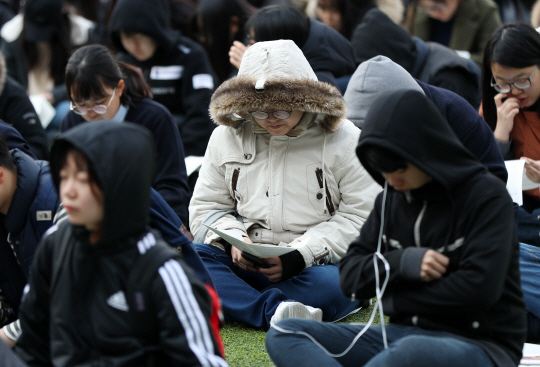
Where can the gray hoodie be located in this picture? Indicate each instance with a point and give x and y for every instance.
(373, 77)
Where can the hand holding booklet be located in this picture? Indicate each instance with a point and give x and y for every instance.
(260, 250)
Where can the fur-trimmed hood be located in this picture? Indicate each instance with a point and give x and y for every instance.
(276, 75)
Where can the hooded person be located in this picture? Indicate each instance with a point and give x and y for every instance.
(93, 263)
(380, 74)
(176, 68)
(430, 62)
(449, 280)
(329, 54)
(280, 170)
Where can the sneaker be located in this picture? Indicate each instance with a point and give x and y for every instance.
(295, 310)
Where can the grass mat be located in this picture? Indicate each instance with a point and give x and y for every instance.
(244, 346)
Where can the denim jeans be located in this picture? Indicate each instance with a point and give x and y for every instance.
(529, 226)
(529, 264)
(252, 299)
(407, 346)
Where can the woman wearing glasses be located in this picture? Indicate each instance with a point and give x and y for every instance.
(511, 107)
(99, 88)
(280, 170)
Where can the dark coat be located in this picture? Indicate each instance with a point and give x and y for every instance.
(328, 52)
(473, 24)
(171, 177)
(179, 72)
(92, 278)
(464, 213)
(33, 207)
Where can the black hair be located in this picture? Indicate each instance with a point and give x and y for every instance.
(352, 12)
(93, 67)
(64, 149)
(60, 44)
(515, 45)
(380, 159)
(216, 16)
(6, 160)
(275, 22)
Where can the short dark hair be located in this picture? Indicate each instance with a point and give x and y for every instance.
(383, 160)
(6, 160)
(275, 22)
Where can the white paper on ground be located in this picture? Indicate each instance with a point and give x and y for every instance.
(44, 109)
(530, 351)
(257, 249)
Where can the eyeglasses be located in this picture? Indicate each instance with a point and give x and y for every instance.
(519, 84)
(100, 108)
(261, 115)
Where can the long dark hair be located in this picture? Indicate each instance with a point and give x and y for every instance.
(61, 47)
(93, 67)
(515, 45)
(215, 16)
(275, 22)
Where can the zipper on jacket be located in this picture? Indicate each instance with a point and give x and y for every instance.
(417, 225)
(235, 175)
(329, 203)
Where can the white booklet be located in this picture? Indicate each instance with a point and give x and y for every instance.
(257, 249)
(531, 355)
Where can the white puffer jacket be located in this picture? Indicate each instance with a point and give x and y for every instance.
(279, 190)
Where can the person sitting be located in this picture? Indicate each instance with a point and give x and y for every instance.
(439, 249)
(37, 45)
(462, 25)
(329, 54)
(280, 170)
(136, 311)
(380, 74)
(100, 88)
(176, 68)
(429, 62)
(17, 110)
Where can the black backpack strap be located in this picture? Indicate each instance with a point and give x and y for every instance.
(138, 286)
(61, 246)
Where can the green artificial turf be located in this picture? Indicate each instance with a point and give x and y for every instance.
(244, 345)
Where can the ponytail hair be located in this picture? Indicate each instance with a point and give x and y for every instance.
(92, 68)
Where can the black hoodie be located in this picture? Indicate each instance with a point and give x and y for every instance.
(429, 62)
(179, 72)
(465, 213)
(76, 309)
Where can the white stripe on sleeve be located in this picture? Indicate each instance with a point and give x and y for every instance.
(198, 333)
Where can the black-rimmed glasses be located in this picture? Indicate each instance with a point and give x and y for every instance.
(519, 84)
(100, 108)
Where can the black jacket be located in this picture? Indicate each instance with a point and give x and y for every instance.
(179, 72)
(77, 310)
(430, 63)
(17, 110)
(171, 177)
(464, 213)
(329, 53)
